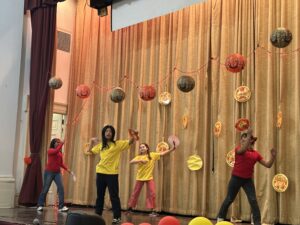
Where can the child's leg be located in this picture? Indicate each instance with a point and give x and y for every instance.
(135, 194)
(150, 202)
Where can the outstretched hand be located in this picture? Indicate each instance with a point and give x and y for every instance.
(134, 134)
(273, 152)
(94, 140)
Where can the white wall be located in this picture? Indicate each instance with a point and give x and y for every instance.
(66, 12)
(128, 12)
(11, 26)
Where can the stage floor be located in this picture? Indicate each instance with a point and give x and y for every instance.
(50, 215)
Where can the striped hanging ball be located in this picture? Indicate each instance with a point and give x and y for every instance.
(186, 83)
(281, 37)
(117, 95)
(55, 83)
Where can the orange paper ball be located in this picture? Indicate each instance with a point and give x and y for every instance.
(235, 63)
(169, 220)
(83, 91)
(147, 93)
(27, 160)
(127, 223)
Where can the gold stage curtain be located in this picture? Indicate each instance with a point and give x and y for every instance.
(195, 40)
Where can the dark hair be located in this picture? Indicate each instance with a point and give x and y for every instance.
(104, 140)
(148, 150)
(53, 142)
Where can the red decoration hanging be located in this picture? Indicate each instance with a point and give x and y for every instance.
(242, 124)
(83, 91)
(147, 93)
(27, 160)
(235, 63)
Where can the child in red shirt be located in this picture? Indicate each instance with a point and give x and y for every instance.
(52, 173)
(245, 159)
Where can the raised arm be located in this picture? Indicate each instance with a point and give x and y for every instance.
(134, 136)
(94, 141)
(54, 151)
(168, 151)
(270, 162)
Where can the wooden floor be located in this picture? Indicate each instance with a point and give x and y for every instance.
(51, 216)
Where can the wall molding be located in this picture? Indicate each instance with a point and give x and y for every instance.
(7, 192)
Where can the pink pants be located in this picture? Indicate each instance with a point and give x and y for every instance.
(150, 201)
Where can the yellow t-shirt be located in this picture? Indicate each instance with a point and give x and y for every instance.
(145, 171)
(110, 156)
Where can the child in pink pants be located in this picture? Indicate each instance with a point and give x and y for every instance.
(146, 162)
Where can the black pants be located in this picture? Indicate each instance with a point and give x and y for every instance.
(112, 182)
(234, 186)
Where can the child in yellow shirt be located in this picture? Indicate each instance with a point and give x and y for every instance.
(146, 161)
(107, 169)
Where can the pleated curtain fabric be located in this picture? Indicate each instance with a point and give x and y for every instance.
(194, 41)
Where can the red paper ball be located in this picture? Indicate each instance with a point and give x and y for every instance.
(27, 160)
(83, 91)
(147, 93)
(235, 63)
(169, 220)
(127, 223)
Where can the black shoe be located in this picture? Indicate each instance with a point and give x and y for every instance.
(98, 213)
(116, 221)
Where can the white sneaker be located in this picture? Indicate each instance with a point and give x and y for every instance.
(64, 209)
(116, 221)
(40, 208)
(220, 220)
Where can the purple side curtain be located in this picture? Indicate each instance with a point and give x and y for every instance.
(43, 20)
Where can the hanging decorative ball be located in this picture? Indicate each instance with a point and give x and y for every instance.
(242, 124)
(280, 182)
(147, 93)
(55, 83)
(164, 98)
(235, 63)
(117, 95)
(242, 94)
(83, 91)
(186, 83)
(281, 37)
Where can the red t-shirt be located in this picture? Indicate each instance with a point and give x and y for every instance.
(244, 163)
(55, 160)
